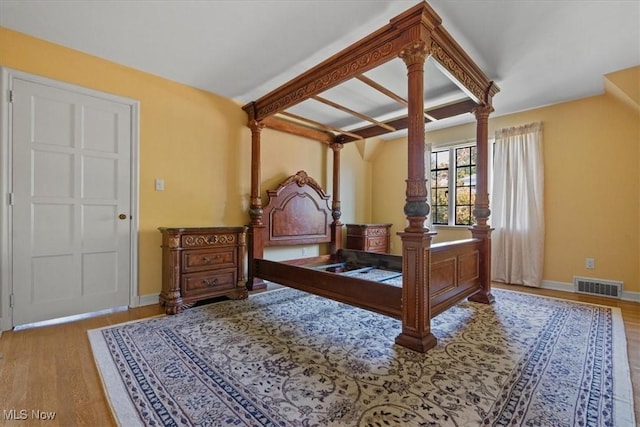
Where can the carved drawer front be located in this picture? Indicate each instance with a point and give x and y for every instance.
(209, 240)
(375, 244)
(208, 282)
(207, 259)
(376, 231)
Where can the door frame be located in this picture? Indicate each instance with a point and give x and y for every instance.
(7, 75)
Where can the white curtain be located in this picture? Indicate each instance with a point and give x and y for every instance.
(517, 206)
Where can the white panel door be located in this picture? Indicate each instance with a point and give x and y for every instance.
(71, 180)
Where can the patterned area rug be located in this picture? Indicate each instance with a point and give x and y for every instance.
(287, 358)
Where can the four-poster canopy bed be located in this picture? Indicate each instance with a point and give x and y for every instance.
(426, 279)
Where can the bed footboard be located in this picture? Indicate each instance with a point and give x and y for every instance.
(455, 273)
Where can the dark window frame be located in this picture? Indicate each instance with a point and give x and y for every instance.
(456, 211)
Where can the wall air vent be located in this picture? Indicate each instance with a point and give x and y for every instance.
(601, 287)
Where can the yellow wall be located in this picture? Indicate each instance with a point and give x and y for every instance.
(196, 141)
(625, 85)
(592, 183)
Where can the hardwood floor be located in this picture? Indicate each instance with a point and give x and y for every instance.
(51, 369)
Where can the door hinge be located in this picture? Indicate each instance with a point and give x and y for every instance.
(10, 199)
(11, 300)
(10, 96)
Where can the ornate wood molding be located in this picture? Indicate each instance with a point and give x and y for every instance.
(320, 81)
(455, 61)
(256, 126)
(208, 239)
(415, 52)
(301, 178)
(453, 66)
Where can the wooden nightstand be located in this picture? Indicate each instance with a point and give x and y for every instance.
(200, 263)
(369, 237)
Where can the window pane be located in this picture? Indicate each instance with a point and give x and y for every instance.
(441, 215)
(463, 215)
(463, 156)
(463, 196)
(464, 176)
(442, 178)
(442, 159)
(465, 169)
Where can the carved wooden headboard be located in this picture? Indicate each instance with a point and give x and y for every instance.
(297, 213)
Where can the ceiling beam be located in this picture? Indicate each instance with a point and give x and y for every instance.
(450, 110)
(377, 86)
(299, 130)
(353, 113)
(320, 125)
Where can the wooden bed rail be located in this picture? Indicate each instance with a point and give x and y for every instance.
(377, 297)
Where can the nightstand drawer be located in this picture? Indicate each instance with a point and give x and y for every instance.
(207, 259)
(370, 230)
(369, 237)
(208, 282)
(209, 240)
(377, 244)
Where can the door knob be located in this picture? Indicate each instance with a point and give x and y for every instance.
(122, 216)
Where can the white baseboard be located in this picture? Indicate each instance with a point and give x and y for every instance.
(149, 299)
(631, 296)
(557, 286)
(568, 287)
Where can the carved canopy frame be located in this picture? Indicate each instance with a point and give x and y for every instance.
(412, 36)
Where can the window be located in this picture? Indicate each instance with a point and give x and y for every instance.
(452, 200)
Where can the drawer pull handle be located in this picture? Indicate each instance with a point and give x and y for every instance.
(210, 260)
(210, 282)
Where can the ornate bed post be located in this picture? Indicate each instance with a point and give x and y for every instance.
(256, 226)
(416, 239)
(336, 213)
(481, 209)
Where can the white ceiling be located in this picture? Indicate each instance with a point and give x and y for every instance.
(538, 52)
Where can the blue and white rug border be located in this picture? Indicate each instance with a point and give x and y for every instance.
(623, 391)
(122, 409)
(124, 412)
